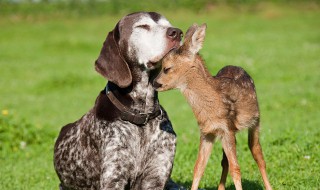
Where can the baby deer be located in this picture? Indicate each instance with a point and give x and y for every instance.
(223, 105)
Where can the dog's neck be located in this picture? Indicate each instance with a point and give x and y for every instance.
(140, 96)
(144, 94)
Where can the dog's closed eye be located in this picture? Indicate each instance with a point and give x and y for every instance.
(144, 26)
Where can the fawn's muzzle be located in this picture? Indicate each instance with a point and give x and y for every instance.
(156, 85)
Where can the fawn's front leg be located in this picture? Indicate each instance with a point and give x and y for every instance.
(205, 148)
(229, 147)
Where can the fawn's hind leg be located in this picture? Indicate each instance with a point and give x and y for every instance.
(255, 147)
(225, 168)
(229, 147)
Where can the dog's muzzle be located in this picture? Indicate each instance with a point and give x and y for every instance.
(174, 34)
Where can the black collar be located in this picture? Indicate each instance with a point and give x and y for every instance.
(133, 117)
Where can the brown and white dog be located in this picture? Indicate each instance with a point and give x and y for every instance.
(126, 140)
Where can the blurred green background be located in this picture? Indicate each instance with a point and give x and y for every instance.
(47, 52)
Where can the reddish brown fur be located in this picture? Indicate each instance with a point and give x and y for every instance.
(223, 105)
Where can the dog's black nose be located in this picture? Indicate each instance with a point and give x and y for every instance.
(156, 85)
(174, 33)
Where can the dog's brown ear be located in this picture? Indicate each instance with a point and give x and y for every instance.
(194, 38)
(110, 62)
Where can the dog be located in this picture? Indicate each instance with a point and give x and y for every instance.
(126, 141)
(223, 105)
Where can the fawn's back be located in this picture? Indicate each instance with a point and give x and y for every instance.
(237, 93)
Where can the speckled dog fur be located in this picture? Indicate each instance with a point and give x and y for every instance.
(102, 151)
(119, 155)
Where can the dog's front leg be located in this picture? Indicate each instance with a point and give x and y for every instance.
(160, 162)
(113, 177)
(205, 148)
(116, 167)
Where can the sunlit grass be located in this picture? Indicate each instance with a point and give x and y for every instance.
(48, 80)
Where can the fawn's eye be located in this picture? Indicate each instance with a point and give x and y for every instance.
(166, 70)
(144, 26)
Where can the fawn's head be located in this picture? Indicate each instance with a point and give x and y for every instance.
(178, 62)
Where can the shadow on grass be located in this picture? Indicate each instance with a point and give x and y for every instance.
(246, 184)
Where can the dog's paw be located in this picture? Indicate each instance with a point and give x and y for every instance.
(171, 185)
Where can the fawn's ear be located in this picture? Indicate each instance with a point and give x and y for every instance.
(111, 63)
(194, 38)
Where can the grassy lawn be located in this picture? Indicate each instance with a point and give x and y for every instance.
(48, 80)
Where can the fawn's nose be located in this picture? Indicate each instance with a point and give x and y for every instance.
(174, 33)
(156, 85)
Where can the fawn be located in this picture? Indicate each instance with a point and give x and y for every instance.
(222, 105)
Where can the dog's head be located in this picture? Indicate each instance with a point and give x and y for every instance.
(179, 62)
(138, 40)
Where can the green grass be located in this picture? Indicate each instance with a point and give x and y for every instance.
(48, 80)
